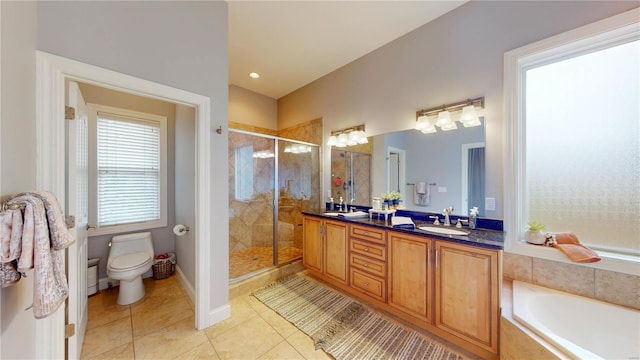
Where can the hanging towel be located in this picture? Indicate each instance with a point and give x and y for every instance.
(10, 234)
(421, 193)
(50, 287)
(568, 243)
(60, 236)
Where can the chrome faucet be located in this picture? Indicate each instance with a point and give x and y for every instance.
(446, 212)
(340, 207)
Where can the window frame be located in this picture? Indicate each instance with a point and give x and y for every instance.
(608, 32)
(94, 229)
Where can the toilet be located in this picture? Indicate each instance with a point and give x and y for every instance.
(130, 256)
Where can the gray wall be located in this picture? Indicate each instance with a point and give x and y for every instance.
(17, 129)
(163, 238)
(179, 44)
(452, 58)
(185, 212)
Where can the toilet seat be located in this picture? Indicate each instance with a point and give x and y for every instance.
(130, 261)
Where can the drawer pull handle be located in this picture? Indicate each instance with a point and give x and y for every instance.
(366, 264)
(366, 249)
(366, 233)
(366, 284)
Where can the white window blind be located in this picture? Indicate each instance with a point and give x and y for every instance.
(128, 174)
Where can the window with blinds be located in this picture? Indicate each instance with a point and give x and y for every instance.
(128, 182)
(128, 170)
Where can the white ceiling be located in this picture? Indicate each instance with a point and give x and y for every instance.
(292, 43)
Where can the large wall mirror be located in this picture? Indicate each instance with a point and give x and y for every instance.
(452, 160)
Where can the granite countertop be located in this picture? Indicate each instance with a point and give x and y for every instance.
(491, 239)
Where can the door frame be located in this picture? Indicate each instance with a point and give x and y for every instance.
(51, 73)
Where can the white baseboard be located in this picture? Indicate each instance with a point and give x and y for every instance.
(191, 292)
(217, 315)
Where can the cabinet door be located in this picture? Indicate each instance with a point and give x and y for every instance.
(467, 293)
(410, 276)
(312, 243)
(335, 250)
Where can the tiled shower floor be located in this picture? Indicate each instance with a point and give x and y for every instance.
(245, 261)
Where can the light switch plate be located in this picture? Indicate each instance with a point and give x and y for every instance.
(490, 204)
(442, 189)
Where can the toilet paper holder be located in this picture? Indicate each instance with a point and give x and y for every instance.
(180, 229)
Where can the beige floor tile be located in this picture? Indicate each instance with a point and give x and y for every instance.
(157, 295)
(170, 342)
(103, 308)
(280, 324)
(304, 345)
(122, 352)
(240, 312)
(106, 337)
(249, 340)
(282, 351)
(162, 316)
(256, 304)
(204, 351)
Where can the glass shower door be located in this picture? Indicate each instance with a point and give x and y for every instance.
(298, 190)
(251, 199)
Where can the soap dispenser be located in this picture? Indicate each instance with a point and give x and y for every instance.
(473, 217)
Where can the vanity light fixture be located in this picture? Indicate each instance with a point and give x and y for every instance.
(348, 137)
(428, 119)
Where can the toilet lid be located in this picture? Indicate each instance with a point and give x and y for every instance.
(128, 261)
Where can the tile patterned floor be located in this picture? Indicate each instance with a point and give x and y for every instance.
(245, 261)
(161, 326)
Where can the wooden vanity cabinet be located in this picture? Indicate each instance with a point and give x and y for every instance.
(467, 290)
(368, 261)
(449, 289)
(324, 248)
(410, 275)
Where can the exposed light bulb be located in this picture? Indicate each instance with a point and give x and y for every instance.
(254, 75)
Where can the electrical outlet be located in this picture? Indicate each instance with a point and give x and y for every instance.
(442, 189)
(490, 204)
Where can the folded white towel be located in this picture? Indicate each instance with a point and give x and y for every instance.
(402, 222)
(421, 194)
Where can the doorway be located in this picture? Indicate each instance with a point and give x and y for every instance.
(52, 73)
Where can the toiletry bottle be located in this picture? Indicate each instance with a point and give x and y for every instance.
(473, 217)
(331, 206)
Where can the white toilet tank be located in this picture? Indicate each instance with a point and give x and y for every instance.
(130, 243)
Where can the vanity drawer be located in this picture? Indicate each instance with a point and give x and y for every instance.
(369, 284)
(368, 249)
(374, 267)
(369, 233)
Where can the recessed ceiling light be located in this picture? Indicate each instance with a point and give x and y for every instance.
(254, 75)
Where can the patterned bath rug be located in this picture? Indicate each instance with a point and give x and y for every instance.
(343, 328)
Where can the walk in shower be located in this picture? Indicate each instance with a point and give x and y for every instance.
(265, 171)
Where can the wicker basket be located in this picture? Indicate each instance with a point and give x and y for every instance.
(163, 268)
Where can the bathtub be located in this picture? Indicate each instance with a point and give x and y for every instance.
(580, 327)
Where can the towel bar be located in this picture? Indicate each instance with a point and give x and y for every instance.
(430, 184)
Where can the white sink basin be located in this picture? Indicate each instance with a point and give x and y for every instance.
(443, 230)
